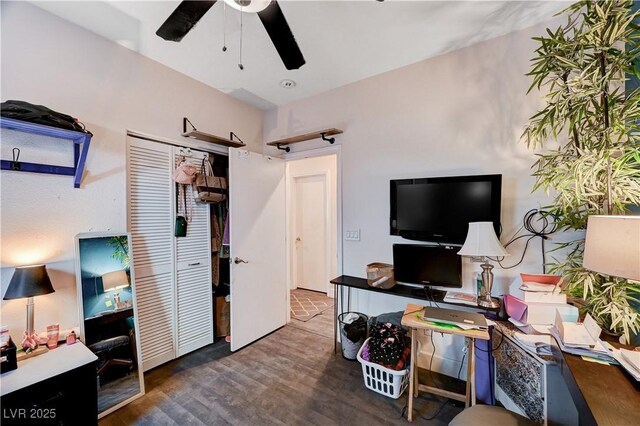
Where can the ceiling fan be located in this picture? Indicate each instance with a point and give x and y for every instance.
(188, 13)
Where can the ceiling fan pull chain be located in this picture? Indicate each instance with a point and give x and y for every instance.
(224, 27)
(240, 64)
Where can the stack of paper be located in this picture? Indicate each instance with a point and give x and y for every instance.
(538, 344)
(467, 299)
(630, 360)
(580, 339)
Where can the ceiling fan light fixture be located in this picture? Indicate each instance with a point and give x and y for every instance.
(251, 6)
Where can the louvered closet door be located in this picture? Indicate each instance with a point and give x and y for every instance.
(150, 218)
(193, 284)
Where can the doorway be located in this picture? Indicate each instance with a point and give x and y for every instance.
(312, 207)
(310, 231)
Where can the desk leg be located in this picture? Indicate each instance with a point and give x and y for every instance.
(471, 371)
(335, 319)
(412, 370)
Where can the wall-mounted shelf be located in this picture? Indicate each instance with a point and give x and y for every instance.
(80, 140)
(306, 137)
(207, 137)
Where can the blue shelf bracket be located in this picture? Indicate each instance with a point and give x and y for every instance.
(80, 140)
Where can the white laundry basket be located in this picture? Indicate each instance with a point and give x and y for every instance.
(385, 381)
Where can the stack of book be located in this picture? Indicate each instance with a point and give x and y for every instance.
(534, 300)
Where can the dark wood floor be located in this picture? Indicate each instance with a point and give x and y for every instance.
(290, 377)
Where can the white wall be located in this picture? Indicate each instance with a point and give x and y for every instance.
(48, 61)
(456, 114)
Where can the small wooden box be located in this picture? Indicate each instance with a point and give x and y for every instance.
(8, 358)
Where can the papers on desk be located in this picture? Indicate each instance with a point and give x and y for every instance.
(581, 339)
(530, 328)
(539, 344)
(464, 298)
(579, 335)
(630, 360)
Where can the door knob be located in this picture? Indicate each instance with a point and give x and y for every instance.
(238, 260)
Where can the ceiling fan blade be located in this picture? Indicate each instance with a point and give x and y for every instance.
(281, 36)
(180, 22)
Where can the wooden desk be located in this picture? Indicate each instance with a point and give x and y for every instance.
(603, 394)
(412, 319)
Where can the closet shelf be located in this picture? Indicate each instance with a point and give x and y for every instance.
(208, 137)
(80, 140)
(194, 134)
(306, 137)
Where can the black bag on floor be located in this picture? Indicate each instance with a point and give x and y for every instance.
(24, 111)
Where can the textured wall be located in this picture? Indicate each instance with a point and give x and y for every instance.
(48, 61)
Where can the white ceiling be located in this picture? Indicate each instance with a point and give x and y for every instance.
(342, 41)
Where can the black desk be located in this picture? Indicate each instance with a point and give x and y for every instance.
(397, 290)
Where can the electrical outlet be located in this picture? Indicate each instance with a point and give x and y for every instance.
(352, 235)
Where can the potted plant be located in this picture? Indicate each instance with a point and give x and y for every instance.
(590, 131)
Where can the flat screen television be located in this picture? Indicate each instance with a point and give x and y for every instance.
(432, 266)
(439, 209)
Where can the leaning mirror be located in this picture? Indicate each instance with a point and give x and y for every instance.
(108, 316)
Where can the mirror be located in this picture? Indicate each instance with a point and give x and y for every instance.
(108, 316)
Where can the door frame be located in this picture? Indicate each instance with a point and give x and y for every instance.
(321, 152)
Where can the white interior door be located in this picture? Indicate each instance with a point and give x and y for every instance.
(257, 237)
(311, 232)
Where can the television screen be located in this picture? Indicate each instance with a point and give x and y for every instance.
(440, 209)
(427, 265)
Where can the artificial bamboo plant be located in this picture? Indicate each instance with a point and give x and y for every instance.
(592, 123)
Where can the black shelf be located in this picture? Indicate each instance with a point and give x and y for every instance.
(402, 291)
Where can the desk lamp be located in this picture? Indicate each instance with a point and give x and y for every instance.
(612, 246)
(29, 281)
(112, 281)
(482, 242)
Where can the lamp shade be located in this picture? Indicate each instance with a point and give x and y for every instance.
(115, 280)
(482, 241)
(29, 281)
(612, 246)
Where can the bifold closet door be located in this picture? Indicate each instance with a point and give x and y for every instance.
(150, 218)
(193, 280)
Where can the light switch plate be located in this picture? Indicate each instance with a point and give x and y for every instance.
(352, 235)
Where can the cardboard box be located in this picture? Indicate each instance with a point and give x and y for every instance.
(223, 317)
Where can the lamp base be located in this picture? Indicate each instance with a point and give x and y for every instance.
(491, 302)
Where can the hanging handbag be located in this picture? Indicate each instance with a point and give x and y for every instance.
(208, 188)
(184, 173)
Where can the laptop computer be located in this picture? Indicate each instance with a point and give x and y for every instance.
(463, 319)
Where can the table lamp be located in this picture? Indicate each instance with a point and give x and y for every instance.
(482, 242)
(29, 281)
(612, 246)
(112, 281)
